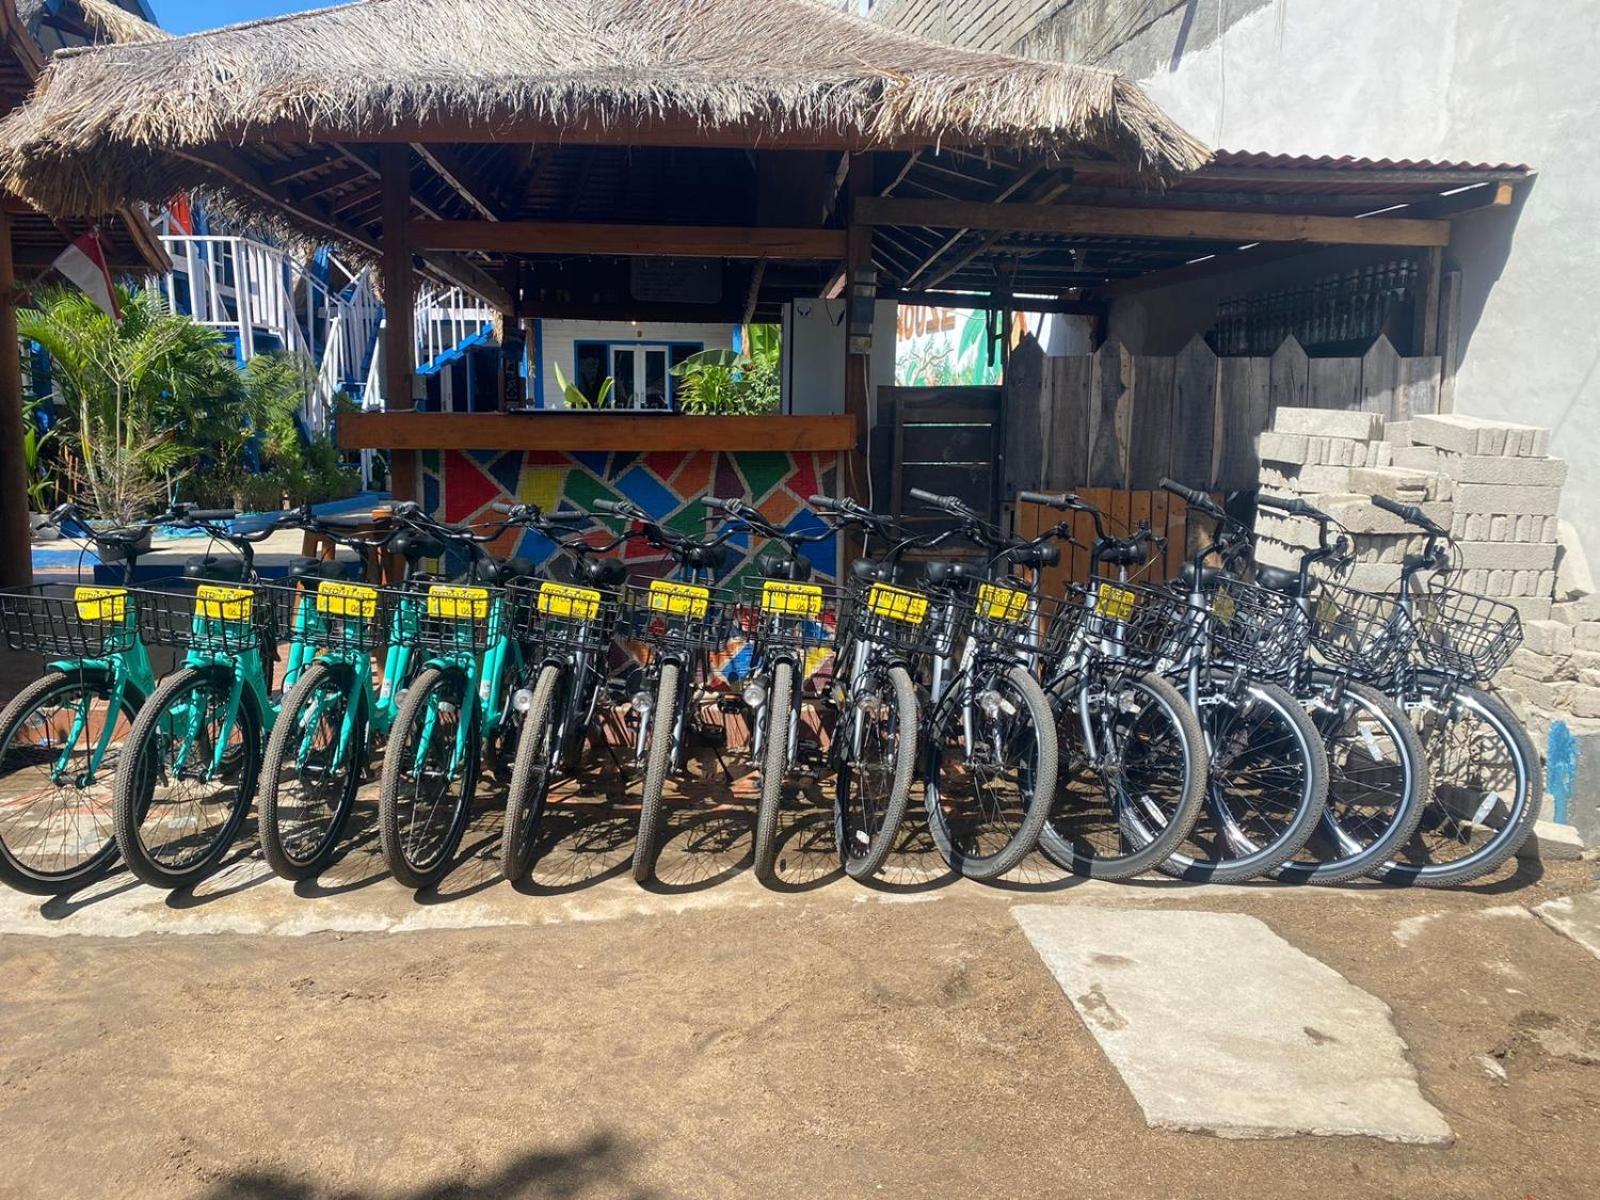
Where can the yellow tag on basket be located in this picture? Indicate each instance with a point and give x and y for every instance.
(1223, 607)
(1116, 603)
(336, 599)
(678, 599)
(564, 600)
(1002, 603)
(223, 603)
(458, 603)
(101, 604)
(897, 604)
(791, 599)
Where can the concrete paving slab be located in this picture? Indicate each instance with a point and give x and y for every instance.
(1578, 917)
(1219, 1025)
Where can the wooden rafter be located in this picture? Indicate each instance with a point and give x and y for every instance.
(682, 241)
(447, 163)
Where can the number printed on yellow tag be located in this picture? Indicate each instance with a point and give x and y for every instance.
(564, 600)
(458, 603)
(791, 599)
(678, 599)
(1223, 607)
(1002, 603)
(1116, 603)
(335, 599)
(223, 603)
(101, 604)
(897, 604)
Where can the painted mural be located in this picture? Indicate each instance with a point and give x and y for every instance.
(460, 486)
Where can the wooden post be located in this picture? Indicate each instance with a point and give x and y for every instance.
(399, 300)
(857, 367)
(16, 552)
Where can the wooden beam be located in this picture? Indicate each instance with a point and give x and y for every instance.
(1038, 304)
(590, 431)
(990, 240)
(628, 309)
(1217, 264)
(299, 168)
(446, 163)
(1180, 224)
(399, 302)
(678, 241)
(16, 542)
(1472, 199)
(950, 242)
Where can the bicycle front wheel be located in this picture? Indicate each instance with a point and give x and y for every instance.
(992, 774)
(1266, 783)
(530, 777)
(1377, 783)
(1487, 784)
(183, 793)
(312, 770)
(876, 740)
(56, 831)
(430, 771)
(1135, 779)
(658, 762)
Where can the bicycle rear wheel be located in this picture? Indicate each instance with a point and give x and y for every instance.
(424, 801)
(1123, 809)
(308, 786)
(56, 829)
(1487, 784)
(531, 776)
(176, 812)
(1377, 783)
(876, 740)
(988, 798)
(777, 715)
(1266, 783)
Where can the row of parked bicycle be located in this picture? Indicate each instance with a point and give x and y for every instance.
(1239, 721)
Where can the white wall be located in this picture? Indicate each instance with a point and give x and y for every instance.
(557, 338)
(1475, 80)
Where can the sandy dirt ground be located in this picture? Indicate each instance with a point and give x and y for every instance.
(577, 1036)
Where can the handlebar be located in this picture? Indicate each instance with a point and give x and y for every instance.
(950, 504)
(1194, 497)
(1294, 508)
(1065, 501)
(1412, 514)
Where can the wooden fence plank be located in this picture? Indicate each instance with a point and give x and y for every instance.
(1067, 455)
(1243, 406)
(1194, 407)
(1380, 378)
(1289, 376)
(1418, 390)
(1110, 416)
(1335, 383)
(1150, 437)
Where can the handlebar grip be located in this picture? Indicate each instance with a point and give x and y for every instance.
(212, 515)
(1295, 508)
(1406, 512)
(504, 509)
(717, 502)
(610, 506)
(1061, 500)
(1193, 495)
(565, 518)
(826, 503)
(928, 497)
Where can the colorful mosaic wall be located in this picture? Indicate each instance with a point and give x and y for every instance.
(459, 486)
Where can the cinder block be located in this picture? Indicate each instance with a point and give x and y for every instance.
(1487, 468)
(1283, 447)
(1586, 636)
(1507, 498)
(1416, 458)
(1379, 454)
(1372, 577)
(1546, 668)
(1327, 422)
(1475, 435)
(1584, 702)
(1359, 515)
(1548, 696)
(1507, 555)
(1547, 637)
(1307, 480)
(1393, 483)
(1531, 608)
(1576, 612)
(1397, 433)
(1551, 842)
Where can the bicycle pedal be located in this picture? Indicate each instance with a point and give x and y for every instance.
(731, 704)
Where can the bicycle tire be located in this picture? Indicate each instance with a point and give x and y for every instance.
(530, 779)
(135, 788)
(1346, 791)
(1135, 857)
(774, 766)
(1524, 808)
(429, 870)
(14, 870)
(1019, 844)
(876, 843)
(657, 763)
(1297, 744)
(276, 844)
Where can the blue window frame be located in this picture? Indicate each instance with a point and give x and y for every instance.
(642, 370)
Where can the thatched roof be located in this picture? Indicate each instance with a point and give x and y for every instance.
(105, 120)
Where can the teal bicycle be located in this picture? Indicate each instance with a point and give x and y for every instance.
(194, 752)
(468, 667)
(63, 736)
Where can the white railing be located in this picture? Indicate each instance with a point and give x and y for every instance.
(445, 318)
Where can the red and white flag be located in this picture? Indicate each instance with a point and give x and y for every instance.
(84, 262)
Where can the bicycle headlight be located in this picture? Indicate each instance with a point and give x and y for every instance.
(522, 700)
(642, 702)
(754, 694)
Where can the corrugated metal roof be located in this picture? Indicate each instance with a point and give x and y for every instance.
(1348, 162)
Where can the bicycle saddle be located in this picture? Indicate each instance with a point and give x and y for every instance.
(1279, 579)
(415, 545)
(1209, 577)
(869, 570)
(707, 558)
(1122, 553)
(315, 568)
(782, 566)
(1046, 554)
(215, 567)
(502, 570)
(603, 572)
(941, 571)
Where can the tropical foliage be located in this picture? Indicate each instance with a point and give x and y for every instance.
(723, 383)
(576, 397)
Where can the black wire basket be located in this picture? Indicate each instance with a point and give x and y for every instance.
(335, 614)
(1263, 631)
(214, 618)
(1136, 625)
(69, 620)
(671, 615)
(1471, 637)
(450, 618)
(776, 614)
(904, 620)
(561, 616)
(1364, 633)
